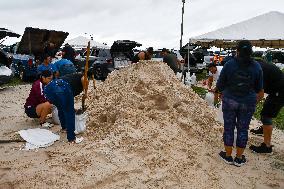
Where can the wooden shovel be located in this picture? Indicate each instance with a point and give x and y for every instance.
(85, 81)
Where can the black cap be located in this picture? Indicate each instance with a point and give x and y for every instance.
(244, 47)
(46, 73)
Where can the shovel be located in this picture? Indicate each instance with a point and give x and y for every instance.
(85, 80)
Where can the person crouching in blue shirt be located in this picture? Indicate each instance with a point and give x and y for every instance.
(59, 93)
(64, 67)
(241, 83)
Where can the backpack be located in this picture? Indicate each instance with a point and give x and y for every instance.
(241, 82)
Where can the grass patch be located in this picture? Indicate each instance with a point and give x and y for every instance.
(199, 90)
(14, 82)
(202, 75)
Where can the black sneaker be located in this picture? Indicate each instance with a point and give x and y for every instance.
(240, 161)
(261, 149)
(258, 131)
(226, 159)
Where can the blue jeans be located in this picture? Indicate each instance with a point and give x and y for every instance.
(60, 94)
(236, 115)
(67, 69)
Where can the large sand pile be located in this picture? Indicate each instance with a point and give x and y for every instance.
(155, 127)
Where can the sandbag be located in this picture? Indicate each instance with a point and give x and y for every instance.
(55, 117)
(80, 122)
(209, 98)
(220, 114)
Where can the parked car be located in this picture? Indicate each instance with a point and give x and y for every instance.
(28, 52)
(103, 61)
(5, 71)
(99, 61)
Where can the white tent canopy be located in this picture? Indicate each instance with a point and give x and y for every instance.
(82, 42)
(269, 26)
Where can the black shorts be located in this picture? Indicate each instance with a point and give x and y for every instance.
(272, 106)
(31, 112)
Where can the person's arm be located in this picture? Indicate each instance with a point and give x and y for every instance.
(222, 80)
(259, 86)
(210, 81)
(260, 95)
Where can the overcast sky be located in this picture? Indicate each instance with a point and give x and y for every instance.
(150, 22)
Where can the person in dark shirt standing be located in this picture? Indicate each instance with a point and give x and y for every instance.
(170, 59)
(273, 85)
(240, 83)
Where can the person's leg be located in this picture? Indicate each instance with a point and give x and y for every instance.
(267, 133)
(70, 115)
(61, 117)
(43, 110)
(229, 116)
(244, 116)
(271, 107)
(66, 100)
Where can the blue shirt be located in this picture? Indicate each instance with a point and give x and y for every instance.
(227, 73)
(61, 62)
(49, 67)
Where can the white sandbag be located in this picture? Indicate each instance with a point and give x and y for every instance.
(220, 114)
(55, 117)
(80, 122)
(38, 138)
(193, 79)
(4, 70)
(179, 74)
(209, 98)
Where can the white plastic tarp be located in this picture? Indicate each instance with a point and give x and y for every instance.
(38, 138)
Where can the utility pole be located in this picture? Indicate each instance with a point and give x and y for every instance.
(181, 28)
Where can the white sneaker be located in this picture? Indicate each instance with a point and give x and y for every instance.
(79, 140)
(47, 125)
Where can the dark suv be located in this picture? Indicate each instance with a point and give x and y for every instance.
(99, 60)
(103, 61)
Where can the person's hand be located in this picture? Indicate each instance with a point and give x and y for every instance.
(211, 90)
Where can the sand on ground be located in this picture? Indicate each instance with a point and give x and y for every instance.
(145, 130)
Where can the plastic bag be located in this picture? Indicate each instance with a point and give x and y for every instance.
(55, 117)
(179, 74)
(209, 98)
(80, 122)
(220, 114)
(193, 79)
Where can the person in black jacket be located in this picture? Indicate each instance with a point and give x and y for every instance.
(68, 53)
(273, 85)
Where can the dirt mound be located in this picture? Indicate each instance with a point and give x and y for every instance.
(147, 118)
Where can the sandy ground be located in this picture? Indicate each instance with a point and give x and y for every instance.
(137, 146)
